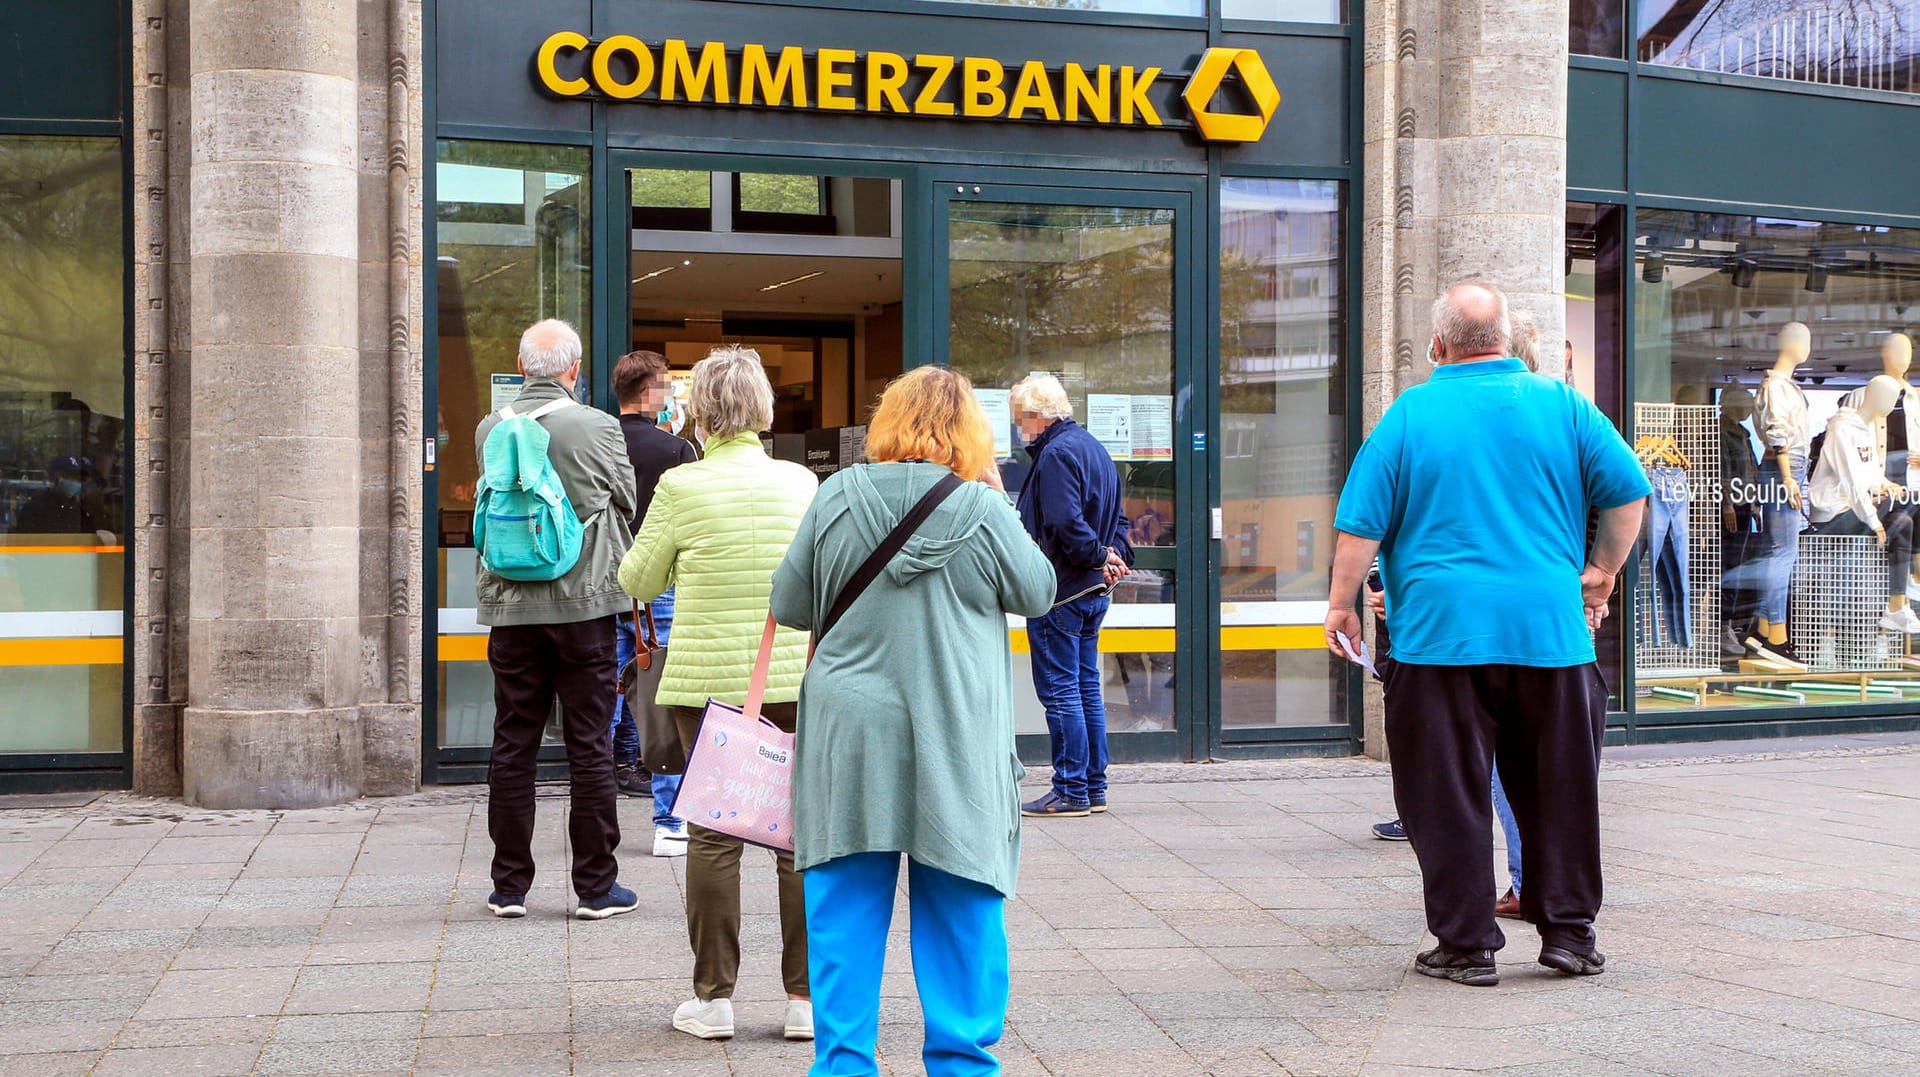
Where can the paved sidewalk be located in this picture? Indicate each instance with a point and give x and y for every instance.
(1763, 918)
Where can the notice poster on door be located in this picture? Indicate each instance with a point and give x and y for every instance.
(997, 403)
(505, 388)
(1110, 421)
(1152, 427)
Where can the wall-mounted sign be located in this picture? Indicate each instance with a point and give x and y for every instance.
(625, 68)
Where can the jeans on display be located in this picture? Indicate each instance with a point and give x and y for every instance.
(959, 946)
(1900, 522)
(626, 732)
(1667, 549)
(1511, 828)
(1783, 526)
(1066, 677)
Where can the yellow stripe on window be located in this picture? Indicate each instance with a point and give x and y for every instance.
(62, 652)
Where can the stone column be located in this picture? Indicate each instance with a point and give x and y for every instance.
(272, 717)
(1465, 178)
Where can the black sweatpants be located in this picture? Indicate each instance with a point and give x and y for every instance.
(532, 664)
(1445, 726)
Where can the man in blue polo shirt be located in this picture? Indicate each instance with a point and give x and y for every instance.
(1475, 490)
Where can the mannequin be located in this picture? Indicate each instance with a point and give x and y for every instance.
(1850, 494)
(1781, 416)
(1896, 358)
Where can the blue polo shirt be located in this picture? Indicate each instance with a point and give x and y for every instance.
(1477, 485)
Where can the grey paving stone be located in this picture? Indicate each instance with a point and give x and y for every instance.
(195, 1031)
(338, 1056)
(210, 1060)
(218, 993)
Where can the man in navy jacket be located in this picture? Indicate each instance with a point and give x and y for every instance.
(1071, 506)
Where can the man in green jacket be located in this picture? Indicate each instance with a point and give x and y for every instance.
(555, 639)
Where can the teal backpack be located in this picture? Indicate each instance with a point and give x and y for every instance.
(523, 525)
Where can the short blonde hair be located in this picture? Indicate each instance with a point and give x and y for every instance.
(731, 394)
(1042, 395)
(930, 413)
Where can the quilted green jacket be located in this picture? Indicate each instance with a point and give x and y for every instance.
(715, 532)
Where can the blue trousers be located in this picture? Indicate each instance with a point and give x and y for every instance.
(626, 732)
(959, 941)
(1066, 677)
(1511, 828)
(1783, 526)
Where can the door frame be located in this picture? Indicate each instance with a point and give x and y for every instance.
(1196, 609)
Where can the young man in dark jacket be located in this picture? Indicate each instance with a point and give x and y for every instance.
(641, 387)
(1071, 506)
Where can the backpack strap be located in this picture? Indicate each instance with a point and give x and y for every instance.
(543, 410)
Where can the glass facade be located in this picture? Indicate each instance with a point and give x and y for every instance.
(1772, 410)
(514, 226)
(63, 473)
(1086, 293)
(1868, 44)
(1596, 27)
(1283, 417)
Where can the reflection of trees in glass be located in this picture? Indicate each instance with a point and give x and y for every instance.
(61, 294)
(498, 278)
(62, 320)
(1064, 289)
(1871, 43)
(672, 188)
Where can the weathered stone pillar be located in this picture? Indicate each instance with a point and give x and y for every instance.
(1465, 179)
(272, 716)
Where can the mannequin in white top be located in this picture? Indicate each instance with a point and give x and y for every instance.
(1781, 419)
(1850, 494)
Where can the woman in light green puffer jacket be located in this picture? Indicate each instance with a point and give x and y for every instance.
(716, 531)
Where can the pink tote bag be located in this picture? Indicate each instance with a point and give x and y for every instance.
(739, 776)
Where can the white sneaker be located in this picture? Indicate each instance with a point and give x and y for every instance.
(799, 1019)
(1913, 589)
(711, 1020)
(669, 842)
(1901, 620)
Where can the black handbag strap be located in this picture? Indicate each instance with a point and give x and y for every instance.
(876, 562)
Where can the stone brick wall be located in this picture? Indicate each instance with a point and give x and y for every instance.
(278, 399)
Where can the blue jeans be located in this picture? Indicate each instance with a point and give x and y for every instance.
(1784, 524)
(1667, 549)
(1066, 677)
(626, 732)
(959, 943)
(1511, 828)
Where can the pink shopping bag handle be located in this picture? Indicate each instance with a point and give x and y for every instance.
(757, 687)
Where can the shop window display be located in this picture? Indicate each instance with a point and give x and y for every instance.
(1772, 412)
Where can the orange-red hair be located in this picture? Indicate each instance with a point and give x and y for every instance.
(929, 413)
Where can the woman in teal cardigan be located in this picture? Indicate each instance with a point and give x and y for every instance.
(906, 729)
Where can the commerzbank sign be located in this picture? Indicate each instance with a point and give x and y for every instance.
(674, 71)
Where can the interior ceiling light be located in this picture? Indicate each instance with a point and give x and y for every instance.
(1744, 270)
(1653, 268)
(1816, 277)
(794, 280)
(657, 272)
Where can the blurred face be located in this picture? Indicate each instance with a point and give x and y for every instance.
(1031, 425)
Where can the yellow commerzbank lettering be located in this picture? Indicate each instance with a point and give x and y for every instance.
(549, 52)
(774, 84)
(937, 68)
(676, 68)
(623, 67)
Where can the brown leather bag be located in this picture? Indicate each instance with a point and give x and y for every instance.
(660, 747)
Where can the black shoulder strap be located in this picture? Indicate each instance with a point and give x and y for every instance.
(876, 562)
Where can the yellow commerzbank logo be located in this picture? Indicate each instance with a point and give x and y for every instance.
(625, 68)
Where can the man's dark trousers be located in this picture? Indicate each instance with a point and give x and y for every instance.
(1445, 726)
(532, 664)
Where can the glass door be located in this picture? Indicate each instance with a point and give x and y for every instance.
(1095, 287)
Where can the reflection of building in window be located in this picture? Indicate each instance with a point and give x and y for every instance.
(1867, 43)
